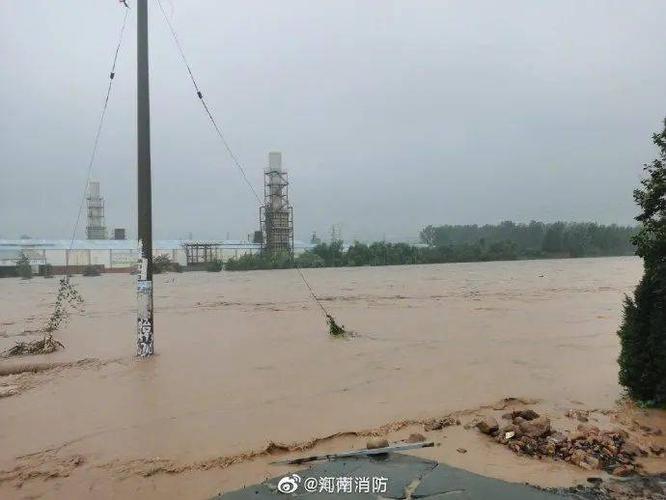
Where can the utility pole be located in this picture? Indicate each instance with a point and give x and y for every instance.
(145, 326)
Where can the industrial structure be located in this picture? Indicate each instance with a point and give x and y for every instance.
(95, 230)
(119, 256)
(276, 216)
(200, 253)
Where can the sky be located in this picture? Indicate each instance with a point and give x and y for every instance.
(390, 115)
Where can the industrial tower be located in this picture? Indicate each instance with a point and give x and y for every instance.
(276, 215)
(95, 230)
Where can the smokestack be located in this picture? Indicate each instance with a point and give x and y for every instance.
(95, 230)
(276, 215)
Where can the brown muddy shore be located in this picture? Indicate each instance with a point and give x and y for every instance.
(246, 372)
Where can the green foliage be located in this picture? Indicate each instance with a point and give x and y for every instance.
(91, 270)
(309, 259)
(330, 253)
(162, 264)
(251, 262)
(643, 331)
(333, 328)
(537, 239)
(68, 297)
(23, 266)
(214, 266)
(442, 244)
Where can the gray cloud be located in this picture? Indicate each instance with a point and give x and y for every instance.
(390, 115)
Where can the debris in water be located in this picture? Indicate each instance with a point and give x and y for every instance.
(45, 345)
(67, 294)
(333, 328)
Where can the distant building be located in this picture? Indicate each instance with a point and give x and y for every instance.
(95, 230)
(119, 233)
(276, 215)
(111, 255)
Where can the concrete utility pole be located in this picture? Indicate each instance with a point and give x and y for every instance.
(145, 326)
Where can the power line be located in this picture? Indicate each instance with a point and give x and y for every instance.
(176, 40)
(100, 125)
(234, 158)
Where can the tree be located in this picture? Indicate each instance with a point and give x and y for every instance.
(643, 332)
(23, 266)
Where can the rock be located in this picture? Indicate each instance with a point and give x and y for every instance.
(488, 425)
(518, 420)
(461, 450)
(588, 430)
(584, 460)
(434, 425)
(415, 438)
(440, 423)
(575, 436)
(526, 414)
(623, 470)
(657, 450)
(621, 433)
(536, 428)
(557, 438)
(629, 448)
(580, 415)
(375, 443)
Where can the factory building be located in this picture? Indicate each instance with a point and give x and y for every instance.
(113, 255)
(95, 230)
(276, 216)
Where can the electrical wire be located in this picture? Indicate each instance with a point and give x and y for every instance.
(234, 158)
(98, 134)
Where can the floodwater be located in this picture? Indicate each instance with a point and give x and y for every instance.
(244, 359)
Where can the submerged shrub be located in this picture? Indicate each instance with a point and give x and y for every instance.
(23, 266)
(214, 266)
(161, 264)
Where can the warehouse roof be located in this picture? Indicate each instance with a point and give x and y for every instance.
(39, 244)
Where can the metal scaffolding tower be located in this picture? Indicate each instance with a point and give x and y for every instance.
(95, 230)
(276, 216)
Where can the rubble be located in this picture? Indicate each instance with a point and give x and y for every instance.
(415, 438)
(590, 448)
(440, 423)
(488, 425)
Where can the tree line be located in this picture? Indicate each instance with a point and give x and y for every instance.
(443, 244)
(539, 239)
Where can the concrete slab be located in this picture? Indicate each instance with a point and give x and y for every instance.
(405, 477)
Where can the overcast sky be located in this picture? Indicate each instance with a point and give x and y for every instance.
(390, 115)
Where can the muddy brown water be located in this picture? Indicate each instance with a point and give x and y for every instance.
(244, 359)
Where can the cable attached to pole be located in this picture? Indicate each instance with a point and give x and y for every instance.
(234, 158)
(100, 125)
(334, 328)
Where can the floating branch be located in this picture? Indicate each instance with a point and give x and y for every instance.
(45, 345)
